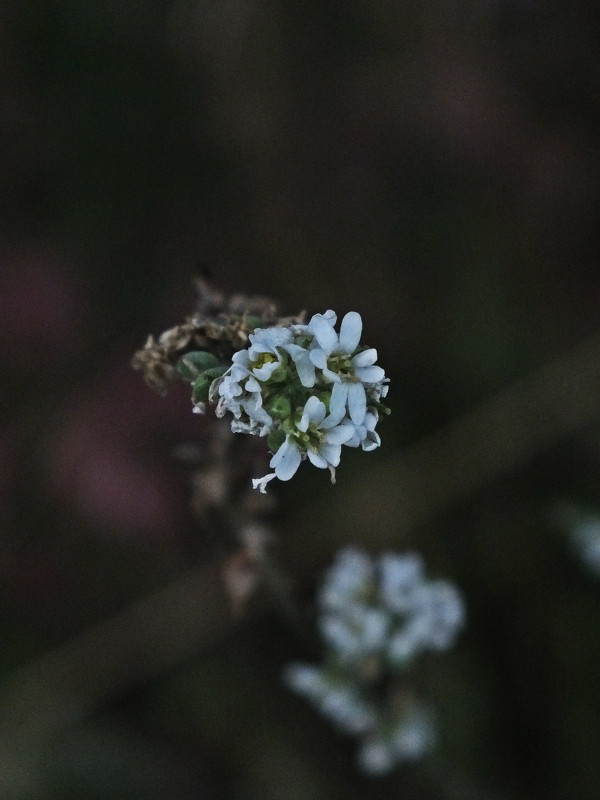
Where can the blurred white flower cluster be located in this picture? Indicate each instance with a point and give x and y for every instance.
(582, 526)
(308, 389)
(585, 536)
(376, 617)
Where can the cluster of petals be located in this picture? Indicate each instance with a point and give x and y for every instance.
(386, 608)
(317, 364)
(348, 390)
(376, 615)
(383, 742)
(328, 435)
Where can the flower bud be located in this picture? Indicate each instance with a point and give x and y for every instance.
(253, 321)
(193, 364)
(279, 407)
(200, 389)
(279, 374)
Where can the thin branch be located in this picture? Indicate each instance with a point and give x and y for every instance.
(141, 642)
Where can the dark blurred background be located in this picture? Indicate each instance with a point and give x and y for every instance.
(434, 166)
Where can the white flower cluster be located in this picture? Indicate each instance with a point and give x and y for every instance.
(386, 740)
(585, 537)
(386, 609)
(376, 617)
(582, 527)
(309, 389)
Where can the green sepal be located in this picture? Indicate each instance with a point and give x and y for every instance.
(386, 410)
(275, 439)
(200, 389)
(304, 340)
(298, 395)
(252, 321)
(279, 374)
(194, 363)
(279, 407)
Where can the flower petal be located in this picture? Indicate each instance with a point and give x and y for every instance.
(324, 332)
(241, 358)
(366, 358)
(304, 365)
(371, 441)
(306, 371)
(264, 373)
(337, 404)
(332, 377)
(318, 358)
(369, 374)
(261, 483)
(314, 411)
(331, 453)
(286, 460)
(357, 402)
(252, 385)
(253, 407)
(350, 331)
(265, 340)
(317, 459)
(339, 435)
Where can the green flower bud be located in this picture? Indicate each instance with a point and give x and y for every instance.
(297, 394)
(200, 389)
(252, 321)
(275, 439)
(279, 407)
(193, 364)
(279, 374)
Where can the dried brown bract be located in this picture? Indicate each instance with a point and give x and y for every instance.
(220, 325)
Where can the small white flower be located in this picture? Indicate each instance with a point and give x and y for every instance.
(405, 645)
(266, 351)
(356, 633)
(585, 537)
(316, 436)
(345, 707)
(435, 616)
(400, 576)
(414, 735)
(445, 611)
(335, 356)
(338, 699)
(239, 400)
(375, 755)
(350, 577)
(365, 434)
(305, 679)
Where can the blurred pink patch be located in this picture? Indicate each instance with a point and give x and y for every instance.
(110, 457)
(40, 306)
